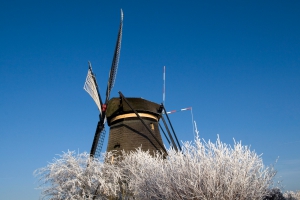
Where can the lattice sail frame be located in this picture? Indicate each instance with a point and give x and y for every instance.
(114, 66)
(100, 144)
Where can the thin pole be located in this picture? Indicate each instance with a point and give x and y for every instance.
(184, 109)
(196, 130)
(164, 85)
(193, 122)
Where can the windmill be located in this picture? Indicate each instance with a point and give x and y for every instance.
(134, 122)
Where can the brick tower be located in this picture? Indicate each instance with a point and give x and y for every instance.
(127, 132)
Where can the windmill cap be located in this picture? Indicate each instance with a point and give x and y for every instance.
(114, 107)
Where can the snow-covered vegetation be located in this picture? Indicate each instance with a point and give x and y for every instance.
(76, 176)
(290, 195)
(202, 170)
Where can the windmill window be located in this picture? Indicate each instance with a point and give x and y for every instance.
(152, 126)
(117, 146)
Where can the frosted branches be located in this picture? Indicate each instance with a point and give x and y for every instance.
(202, 170)
(290, 195)
(78, 177)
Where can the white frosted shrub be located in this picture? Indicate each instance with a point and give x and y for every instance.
(76, 176)
(201, 171)
(290, 195)
(144, 174)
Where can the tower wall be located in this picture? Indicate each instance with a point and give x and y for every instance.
(127, 132)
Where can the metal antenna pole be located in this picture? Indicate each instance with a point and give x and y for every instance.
(193, 122)
(164, 85)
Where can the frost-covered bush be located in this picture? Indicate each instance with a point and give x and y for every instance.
(290, 195)
(275, 194)
(202, 170)
(76, 176)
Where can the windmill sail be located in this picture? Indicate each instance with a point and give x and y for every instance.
(91, 87)
(115, 62)
(100, 131)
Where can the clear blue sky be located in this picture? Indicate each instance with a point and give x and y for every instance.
(237, 63)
